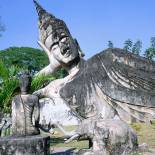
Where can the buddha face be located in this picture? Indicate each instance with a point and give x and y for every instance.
(62, 46)
(25, 82)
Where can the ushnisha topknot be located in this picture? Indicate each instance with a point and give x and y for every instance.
(48, 24)
(41, 12)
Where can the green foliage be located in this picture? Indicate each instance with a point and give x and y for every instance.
(128, 45)
(137, 47)
(136, 126)
(8, 85)
(14, 61)
(61, 73)
(110, 44)
(24, 57)
(40, 81)
(152, 122)
(150, 53)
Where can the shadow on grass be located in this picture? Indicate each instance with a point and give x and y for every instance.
(66, 152)
(56, 140)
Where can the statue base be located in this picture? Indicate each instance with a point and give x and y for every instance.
(28, 145)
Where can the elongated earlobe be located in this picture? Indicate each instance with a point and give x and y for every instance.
(81, 54)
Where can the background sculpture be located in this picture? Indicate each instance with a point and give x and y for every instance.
(23, 107)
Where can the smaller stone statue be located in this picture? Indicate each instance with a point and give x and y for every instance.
(25, 106)
(109, 137)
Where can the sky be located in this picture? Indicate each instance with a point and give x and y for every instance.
(91, 22)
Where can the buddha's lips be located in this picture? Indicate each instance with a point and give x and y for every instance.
(66, 51)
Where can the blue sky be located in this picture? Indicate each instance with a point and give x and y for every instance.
(92, 22)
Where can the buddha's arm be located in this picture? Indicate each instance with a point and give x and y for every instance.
(37, 112)
(45, 71)
(52, 67)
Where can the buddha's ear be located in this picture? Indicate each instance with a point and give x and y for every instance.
(81, 54)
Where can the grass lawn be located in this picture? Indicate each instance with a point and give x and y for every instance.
(145, 132)
(57, 140)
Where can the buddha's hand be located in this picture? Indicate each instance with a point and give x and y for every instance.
(39, 93)
(75, 136)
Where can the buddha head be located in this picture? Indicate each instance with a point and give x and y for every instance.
(55, 36)
(25, 82)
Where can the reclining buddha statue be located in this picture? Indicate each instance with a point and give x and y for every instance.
(112, 84)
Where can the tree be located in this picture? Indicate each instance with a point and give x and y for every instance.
(128, 45)
(8, 85)
(25, 58)
(150, 52)
(2, 28)
(110, 44)
(14, 60)
(137, 47)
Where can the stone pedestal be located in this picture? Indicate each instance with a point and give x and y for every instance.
(29, 145)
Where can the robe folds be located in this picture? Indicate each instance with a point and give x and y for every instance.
(113, 82)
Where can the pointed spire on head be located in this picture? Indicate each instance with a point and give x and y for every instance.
(41, 11)
(48, 24)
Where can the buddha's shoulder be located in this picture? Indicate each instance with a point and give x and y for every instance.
(27, 96)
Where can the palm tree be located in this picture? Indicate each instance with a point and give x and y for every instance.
(137, 47)
(128, 45)
(110, 44)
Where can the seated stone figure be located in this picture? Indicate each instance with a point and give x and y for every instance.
(113, 83)
(109, 137)
(23, 107)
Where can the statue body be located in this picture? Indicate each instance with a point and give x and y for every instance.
(113, 83)
(24, 106)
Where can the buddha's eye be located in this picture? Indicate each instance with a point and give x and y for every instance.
(54, 46)
(63, 39)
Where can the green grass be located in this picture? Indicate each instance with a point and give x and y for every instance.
(145, 133)
(57, 140)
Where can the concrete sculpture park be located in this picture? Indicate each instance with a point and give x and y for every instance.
(113, 84)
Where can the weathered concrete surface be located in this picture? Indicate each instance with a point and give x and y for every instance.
(22, 110)
(30, 145)
(64, 151)
(51, 112)
(113, 83)
(109, 137)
